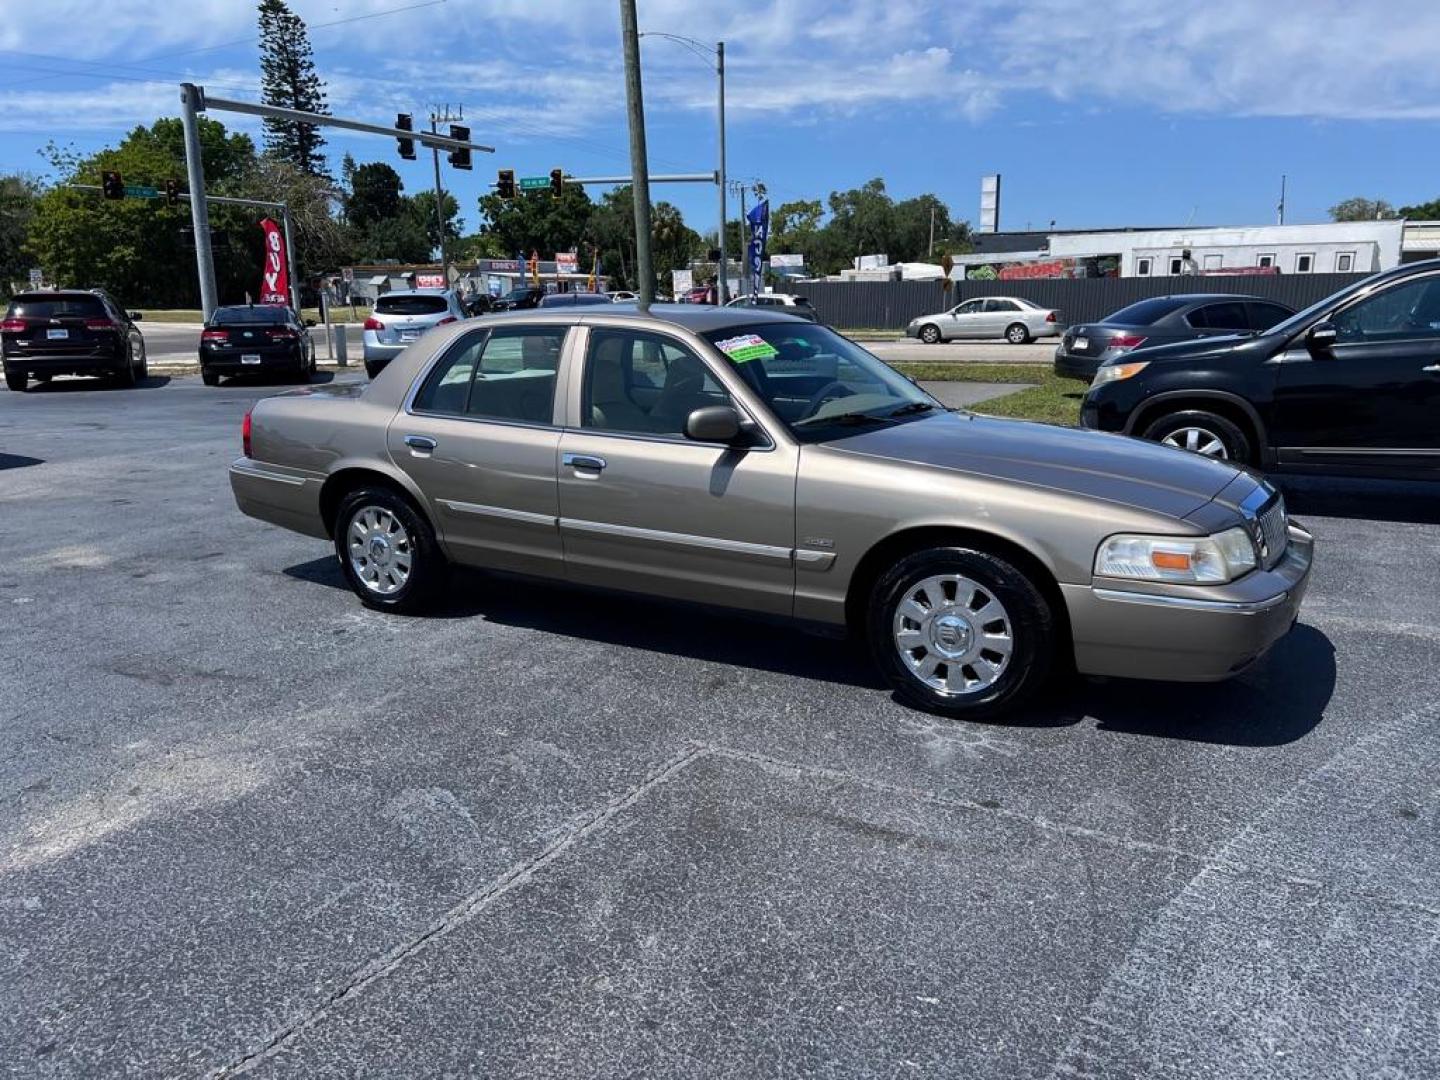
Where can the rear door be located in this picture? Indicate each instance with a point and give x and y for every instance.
(1373, 397)
(480, 440)
(646, 509)
(1000, 313)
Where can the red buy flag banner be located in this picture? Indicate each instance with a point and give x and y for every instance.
(275, 285)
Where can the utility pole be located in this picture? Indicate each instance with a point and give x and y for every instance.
(721, 284)
(192, 100)
(744, 252)
(1280, 210)
(932, 231)
(639, 165)
(435, 121)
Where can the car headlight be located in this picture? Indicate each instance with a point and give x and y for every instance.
(1108, 373)
(1203, 560)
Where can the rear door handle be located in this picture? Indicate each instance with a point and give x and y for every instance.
(420, 444)
(1433, 369)
(583, 461)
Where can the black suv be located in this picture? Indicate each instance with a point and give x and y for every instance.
(1351, 384)
(70, 333)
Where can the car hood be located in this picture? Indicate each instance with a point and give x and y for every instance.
(1192, 349)
(1092, 464)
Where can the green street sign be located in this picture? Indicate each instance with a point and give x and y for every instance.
(535, 183)
(140, 191)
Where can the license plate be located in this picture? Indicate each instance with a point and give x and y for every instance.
(57, 335)
(409, 335)
(1081, 343)
(250, 358)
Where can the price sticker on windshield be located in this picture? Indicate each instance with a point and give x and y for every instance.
(747, 347)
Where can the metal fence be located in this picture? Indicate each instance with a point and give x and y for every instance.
(890, 305)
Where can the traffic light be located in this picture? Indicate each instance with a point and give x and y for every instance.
(405, 122)
(111, 184)
(460, 158)
(172, 191)
(557, 183)
(505, 183)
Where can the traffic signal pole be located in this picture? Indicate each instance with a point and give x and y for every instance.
(192, 100)
(639, 164)
(439, 199)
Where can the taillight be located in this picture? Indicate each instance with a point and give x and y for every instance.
(447, 318)
(283, 334)
(1050, 317)
(14, 326)
(1125, 341)
(99, 324)
(215, 335)
(373, 323)
(245, 435)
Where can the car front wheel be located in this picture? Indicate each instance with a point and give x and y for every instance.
(1201, 433)
(387, 550)
(930, 334)
(961, 632)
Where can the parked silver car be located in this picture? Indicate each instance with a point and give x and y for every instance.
(751, 460)
(1013, 318)
(400, 318)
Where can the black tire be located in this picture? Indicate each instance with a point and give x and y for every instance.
(144, 372)
(125, 376)
(427, 566)
(1025, 614)
(1200, 432)
(930, 334)
(1017, 334)
(209, 378)
(15, 380)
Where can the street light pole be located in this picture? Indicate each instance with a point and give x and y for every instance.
(639, 165)
(192, 100)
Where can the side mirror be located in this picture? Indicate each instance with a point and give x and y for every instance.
(309, 322)
(135, 316)
(1322, 335)
(713, 423)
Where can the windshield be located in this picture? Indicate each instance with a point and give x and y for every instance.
(819, 384)
(261, 314)
(1300, 318)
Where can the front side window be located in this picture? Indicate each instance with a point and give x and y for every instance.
(819, 384)
(639, 383)
(970, 307)
(1403, 312)
(504, 374)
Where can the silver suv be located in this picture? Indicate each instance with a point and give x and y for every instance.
(400, 318)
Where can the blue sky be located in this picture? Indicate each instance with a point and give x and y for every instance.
(1127, 112)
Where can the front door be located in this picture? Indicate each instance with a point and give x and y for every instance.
(967, 319)
(646, 509)
(480, 440)
(1373, 396)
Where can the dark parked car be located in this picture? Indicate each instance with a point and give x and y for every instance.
(784, 303)
(573, 299)
(1351, 384)
(1162, 320)
(70, 333)
(254, 339)
(522, 298)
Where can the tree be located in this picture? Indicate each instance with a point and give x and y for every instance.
(1362, 209)
(374, 194)
(288, 80)
(536, 221)
(421, 206)
(1429, 211)
(862, 222)
(17, 211)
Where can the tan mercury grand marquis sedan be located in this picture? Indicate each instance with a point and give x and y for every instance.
(757, 461)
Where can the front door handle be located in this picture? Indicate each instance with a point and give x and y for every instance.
(583, 461)
(1432, 369)
(420, 444)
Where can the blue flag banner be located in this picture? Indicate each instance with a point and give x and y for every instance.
(759, 220)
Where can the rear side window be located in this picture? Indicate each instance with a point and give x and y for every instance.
(1001, 305)
(503, 374)
(411, 305)
(1145, 312)
(1227, 316)
(58, 307)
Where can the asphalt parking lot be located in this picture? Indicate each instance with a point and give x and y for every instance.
(249, 826)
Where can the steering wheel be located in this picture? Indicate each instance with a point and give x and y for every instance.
(829, 392)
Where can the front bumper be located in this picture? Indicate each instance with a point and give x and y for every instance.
(1135, 630)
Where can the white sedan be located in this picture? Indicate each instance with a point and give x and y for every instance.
(1013, 318)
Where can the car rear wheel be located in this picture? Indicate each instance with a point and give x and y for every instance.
(387, 550)
(209, 378)
(125, 376)
(1203, 433)
(930, 334)
(15, 380)
(961, 632)
(1017, 334)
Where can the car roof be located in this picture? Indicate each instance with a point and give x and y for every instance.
(415, 292)
(698, 318)
(52, 294)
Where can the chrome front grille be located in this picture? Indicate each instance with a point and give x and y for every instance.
(1273, 532)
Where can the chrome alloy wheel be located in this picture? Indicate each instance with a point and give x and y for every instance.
(1197, 440)
(953, 634)
(380, 550)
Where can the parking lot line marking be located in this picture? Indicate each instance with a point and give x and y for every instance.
(472, 905)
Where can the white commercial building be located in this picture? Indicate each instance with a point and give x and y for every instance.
(1340, 247)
